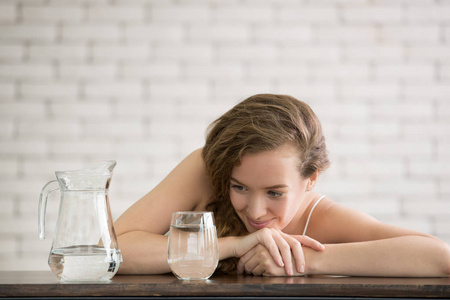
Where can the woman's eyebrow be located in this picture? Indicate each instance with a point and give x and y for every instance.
(277, 186)
(237, 181)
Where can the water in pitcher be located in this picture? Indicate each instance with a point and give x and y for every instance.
(84, 262)
(193, 253)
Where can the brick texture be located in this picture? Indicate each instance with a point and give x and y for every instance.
(139, 81)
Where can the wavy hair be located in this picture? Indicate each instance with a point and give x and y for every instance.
(260, 123)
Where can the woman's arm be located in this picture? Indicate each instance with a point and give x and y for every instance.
(140, 230)
(405, 256)
(143, 253)
(146, 253)
(365, 246)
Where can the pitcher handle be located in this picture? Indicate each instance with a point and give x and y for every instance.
(47, 189)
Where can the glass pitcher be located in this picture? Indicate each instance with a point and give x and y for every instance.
(85, 246)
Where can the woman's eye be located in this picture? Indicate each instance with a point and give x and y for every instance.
(238, 188)
(275, 194)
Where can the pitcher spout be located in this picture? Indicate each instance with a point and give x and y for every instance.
(103, 168)
(93, 178)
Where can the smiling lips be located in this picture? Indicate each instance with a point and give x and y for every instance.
(258, 224)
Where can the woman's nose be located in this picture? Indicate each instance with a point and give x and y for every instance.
(256, 208)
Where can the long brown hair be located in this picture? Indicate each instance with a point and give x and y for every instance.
(260, 123)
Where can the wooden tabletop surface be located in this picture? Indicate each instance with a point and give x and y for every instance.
(45, 284)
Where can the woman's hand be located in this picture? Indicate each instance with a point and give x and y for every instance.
(258, 261)
(283, 249)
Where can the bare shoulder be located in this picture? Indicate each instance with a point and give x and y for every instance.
(203, 182)
(336, 223)
(186, 187)
(189, 178)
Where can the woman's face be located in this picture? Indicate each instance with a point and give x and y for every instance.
(266, 189)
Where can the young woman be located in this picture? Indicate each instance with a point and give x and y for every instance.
(257, 173)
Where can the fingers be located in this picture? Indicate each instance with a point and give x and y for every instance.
(264, 237)
(285, 244)
(259, 261)
(297, 253)
(289, 248)
(309, 242)
(285, 250)
(251, 262)
(270, 240)
(280, 245)
(243, 261)
(296, 243)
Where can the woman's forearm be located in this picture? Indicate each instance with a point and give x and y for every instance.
(146, 253)
(227, 247)
(143, 253)
(407, 256)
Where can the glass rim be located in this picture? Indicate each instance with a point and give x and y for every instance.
(204, 218)
(186, 212)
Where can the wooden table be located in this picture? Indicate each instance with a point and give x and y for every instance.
(44, 284)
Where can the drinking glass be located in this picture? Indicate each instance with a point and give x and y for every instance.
(193, 245)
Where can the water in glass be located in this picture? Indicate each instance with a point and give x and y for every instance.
(193, 246)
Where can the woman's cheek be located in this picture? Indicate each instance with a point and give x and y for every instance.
(286, 210)
(238, 201)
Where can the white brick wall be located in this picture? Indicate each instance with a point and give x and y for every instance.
(139, 81)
